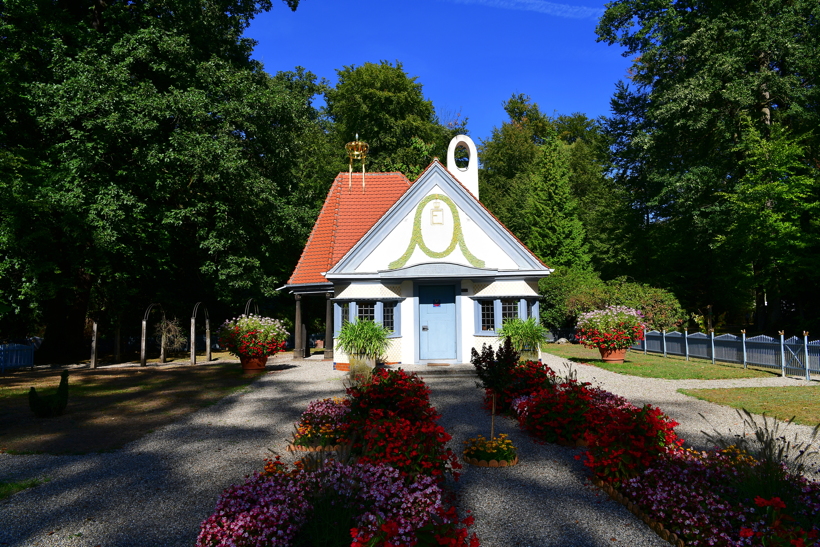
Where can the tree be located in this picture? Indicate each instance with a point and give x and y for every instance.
(549, 222)
(148, 158)
(387, 109)
(704, 71)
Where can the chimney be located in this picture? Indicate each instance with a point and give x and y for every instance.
(468, 176)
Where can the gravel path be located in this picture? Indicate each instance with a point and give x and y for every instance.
(156, 491)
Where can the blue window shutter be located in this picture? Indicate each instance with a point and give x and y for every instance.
(379, 313)
(397, 318)
(497, 314)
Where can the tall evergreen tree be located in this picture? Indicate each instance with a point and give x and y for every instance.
(550, 224)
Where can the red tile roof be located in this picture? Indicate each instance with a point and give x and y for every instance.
(348, 213)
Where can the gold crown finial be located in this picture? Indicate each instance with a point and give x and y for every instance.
(356, 150)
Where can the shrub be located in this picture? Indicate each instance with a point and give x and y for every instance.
(525, 335)
(364, 338)
(495, 369)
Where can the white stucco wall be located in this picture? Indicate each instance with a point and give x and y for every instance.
(437, 238)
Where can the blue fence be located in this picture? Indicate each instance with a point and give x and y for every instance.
(15, 356)
(793, 356)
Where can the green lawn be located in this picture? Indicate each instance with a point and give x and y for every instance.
(800, 402)
(656, 366)
(9, 488)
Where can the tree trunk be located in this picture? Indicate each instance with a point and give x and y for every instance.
(65, 316)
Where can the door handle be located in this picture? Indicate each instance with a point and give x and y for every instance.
(424, 327)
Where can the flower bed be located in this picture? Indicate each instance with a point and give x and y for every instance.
(324, 423)
(722, 497)
(391, 496)
(337, 505)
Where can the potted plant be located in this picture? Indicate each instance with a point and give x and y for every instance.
(496, 452)
(612, 330)
(253, 339)
(526, 336)
(364, 341)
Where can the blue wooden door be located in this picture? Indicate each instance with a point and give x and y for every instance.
(437, 322)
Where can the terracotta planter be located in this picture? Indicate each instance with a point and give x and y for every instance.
(612, 355)
(253, 364)
(491, 463)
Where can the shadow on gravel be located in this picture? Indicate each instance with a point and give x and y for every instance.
(545, 500)
(157, 490)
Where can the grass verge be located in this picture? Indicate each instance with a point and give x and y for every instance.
(783, 403)
(655, 366)
(108, 407)
(10, 488)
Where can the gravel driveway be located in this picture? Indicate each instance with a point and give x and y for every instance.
(156, 491)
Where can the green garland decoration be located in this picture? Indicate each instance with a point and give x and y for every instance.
(416, 239)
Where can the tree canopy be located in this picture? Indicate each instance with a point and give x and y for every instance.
(717, 129)
(143, 153)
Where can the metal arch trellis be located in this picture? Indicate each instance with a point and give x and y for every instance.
(248, 306)
(143, 361)
(207, 333)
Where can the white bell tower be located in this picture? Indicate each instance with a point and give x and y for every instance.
(468, 176)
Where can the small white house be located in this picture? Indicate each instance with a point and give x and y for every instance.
(426, 259)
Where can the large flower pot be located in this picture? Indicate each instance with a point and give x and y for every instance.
(612, 355)
(254, 363)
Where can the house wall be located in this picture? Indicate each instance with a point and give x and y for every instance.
(437, 238)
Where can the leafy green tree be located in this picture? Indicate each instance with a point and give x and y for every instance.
(387, 109)
(681, 147)
(148, 159)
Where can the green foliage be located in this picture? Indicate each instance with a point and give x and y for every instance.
(387, 109)
(495, 368)
(569, 292)
(549, 224)
(10, 488)
(363, 337)
(134, 132)
(49, 406)
(660, 308)
(715, 153)
(523, 334)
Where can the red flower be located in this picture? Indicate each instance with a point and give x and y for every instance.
(746, 532)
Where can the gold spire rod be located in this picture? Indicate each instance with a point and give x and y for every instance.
(356, 150)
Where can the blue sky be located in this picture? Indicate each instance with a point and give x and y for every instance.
(470, 55)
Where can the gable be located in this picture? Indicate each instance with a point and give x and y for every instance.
(437, 222)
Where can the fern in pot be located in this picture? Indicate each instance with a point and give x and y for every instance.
(526, 336)
(364, 341)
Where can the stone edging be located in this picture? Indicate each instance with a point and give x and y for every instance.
(657, 527)
(491, 463)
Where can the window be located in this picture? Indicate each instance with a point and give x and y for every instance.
(509, 309)
(487, 315)
(366, 310)
(491, 314)
(388, 315)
